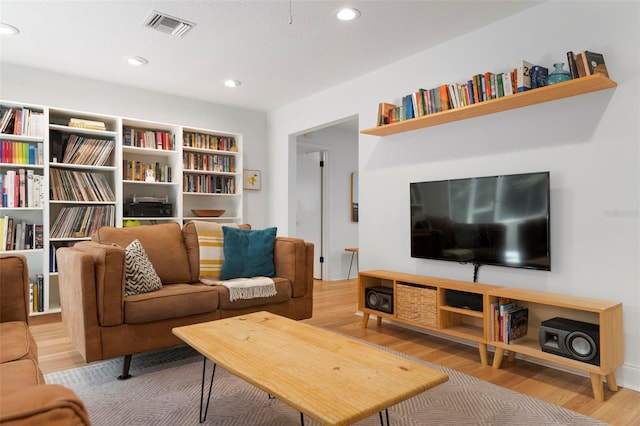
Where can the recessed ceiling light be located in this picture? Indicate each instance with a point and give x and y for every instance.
(136, 61)
(347, 14)
(232, 83)
(6, 29)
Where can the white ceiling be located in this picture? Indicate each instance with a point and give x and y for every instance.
(252, 41)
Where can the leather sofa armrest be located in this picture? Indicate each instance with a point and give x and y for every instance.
(14, 287)
(109, 278)
(92, 294)
(51, 405)
(293, 259)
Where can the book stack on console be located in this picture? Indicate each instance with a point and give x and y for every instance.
(510, 321)
(485, 87)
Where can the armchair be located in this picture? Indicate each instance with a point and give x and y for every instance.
(25, 398)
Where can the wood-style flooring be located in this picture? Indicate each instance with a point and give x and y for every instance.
(335, 306)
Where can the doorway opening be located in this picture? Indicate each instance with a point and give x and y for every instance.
(323, 210)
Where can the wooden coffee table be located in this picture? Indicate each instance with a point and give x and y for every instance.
(331, 378)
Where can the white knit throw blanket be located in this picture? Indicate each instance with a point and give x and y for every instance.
(246, 288)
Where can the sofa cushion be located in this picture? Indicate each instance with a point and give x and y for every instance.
(283, 289)
(16, 342)
(17, 375)
(171, 301)
(140, 276)
(248, 253)
(51, 405)
(162, 242)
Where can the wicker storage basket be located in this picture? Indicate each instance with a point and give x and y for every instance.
(417, 304)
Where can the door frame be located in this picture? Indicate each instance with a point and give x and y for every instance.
(320, 252)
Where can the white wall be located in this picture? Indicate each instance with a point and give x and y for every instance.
(342, 159)
(589, 144)
(29, 85)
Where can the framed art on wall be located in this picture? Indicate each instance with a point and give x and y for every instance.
(252, 179)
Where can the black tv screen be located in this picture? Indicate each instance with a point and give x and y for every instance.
(494, 220)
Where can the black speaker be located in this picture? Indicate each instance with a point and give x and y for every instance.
(571, 339)
(379, 298)
(464, 300)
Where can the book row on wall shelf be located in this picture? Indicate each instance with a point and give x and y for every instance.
(152, 139)
(489, 93)
(64, 174)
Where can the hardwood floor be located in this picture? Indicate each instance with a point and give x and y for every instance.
(335, 308)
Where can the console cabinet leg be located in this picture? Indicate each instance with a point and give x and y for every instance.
(482, 348)
(365, 320)
(379, 321)
(511, 356)
(596, 385)
(611, 382)
(497, 357)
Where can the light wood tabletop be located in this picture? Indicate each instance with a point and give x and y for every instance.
(332, 378)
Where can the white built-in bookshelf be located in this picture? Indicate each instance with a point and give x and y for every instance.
(89, 168)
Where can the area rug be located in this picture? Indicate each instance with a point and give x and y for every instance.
(165, 390)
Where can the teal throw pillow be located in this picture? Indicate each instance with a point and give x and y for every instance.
(248, 253)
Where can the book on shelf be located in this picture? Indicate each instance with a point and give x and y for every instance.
(87, 124)
(3, 232)
(150, 139)
(507, 83)
(407, 103)
(22, 182)
(539, 76)
(384, 109)
(31, 296)
(571, 63)
(29, 188)
(40, 286)
(19, 153)
(503, 305)
(517, 323)
(580, 65)
(509, 322)
(444, 96)
(87, 151)
(70, 220)
(38, 237)
(72, 185)
(21, 121)
(595, 63)
(16, 234)
(524, 75)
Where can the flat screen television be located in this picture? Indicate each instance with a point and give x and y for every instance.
(494, 220)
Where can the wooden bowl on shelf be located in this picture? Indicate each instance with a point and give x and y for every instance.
(208, 213)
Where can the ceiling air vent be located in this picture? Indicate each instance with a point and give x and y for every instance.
(168, 24)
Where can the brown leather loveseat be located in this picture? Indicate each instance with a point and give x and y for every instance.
(25, 398)
(103, 323)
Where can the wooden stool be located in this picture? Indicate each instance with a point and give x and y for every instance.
(354, 252)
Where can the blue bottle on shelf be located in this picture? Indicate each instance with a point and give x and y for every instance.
(559, 74)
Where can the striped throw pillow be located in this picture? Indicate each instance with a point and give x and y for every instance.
(140, 275)
(211, 248)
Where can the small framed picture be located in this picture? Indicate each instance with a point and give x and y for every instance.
(252, 179)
